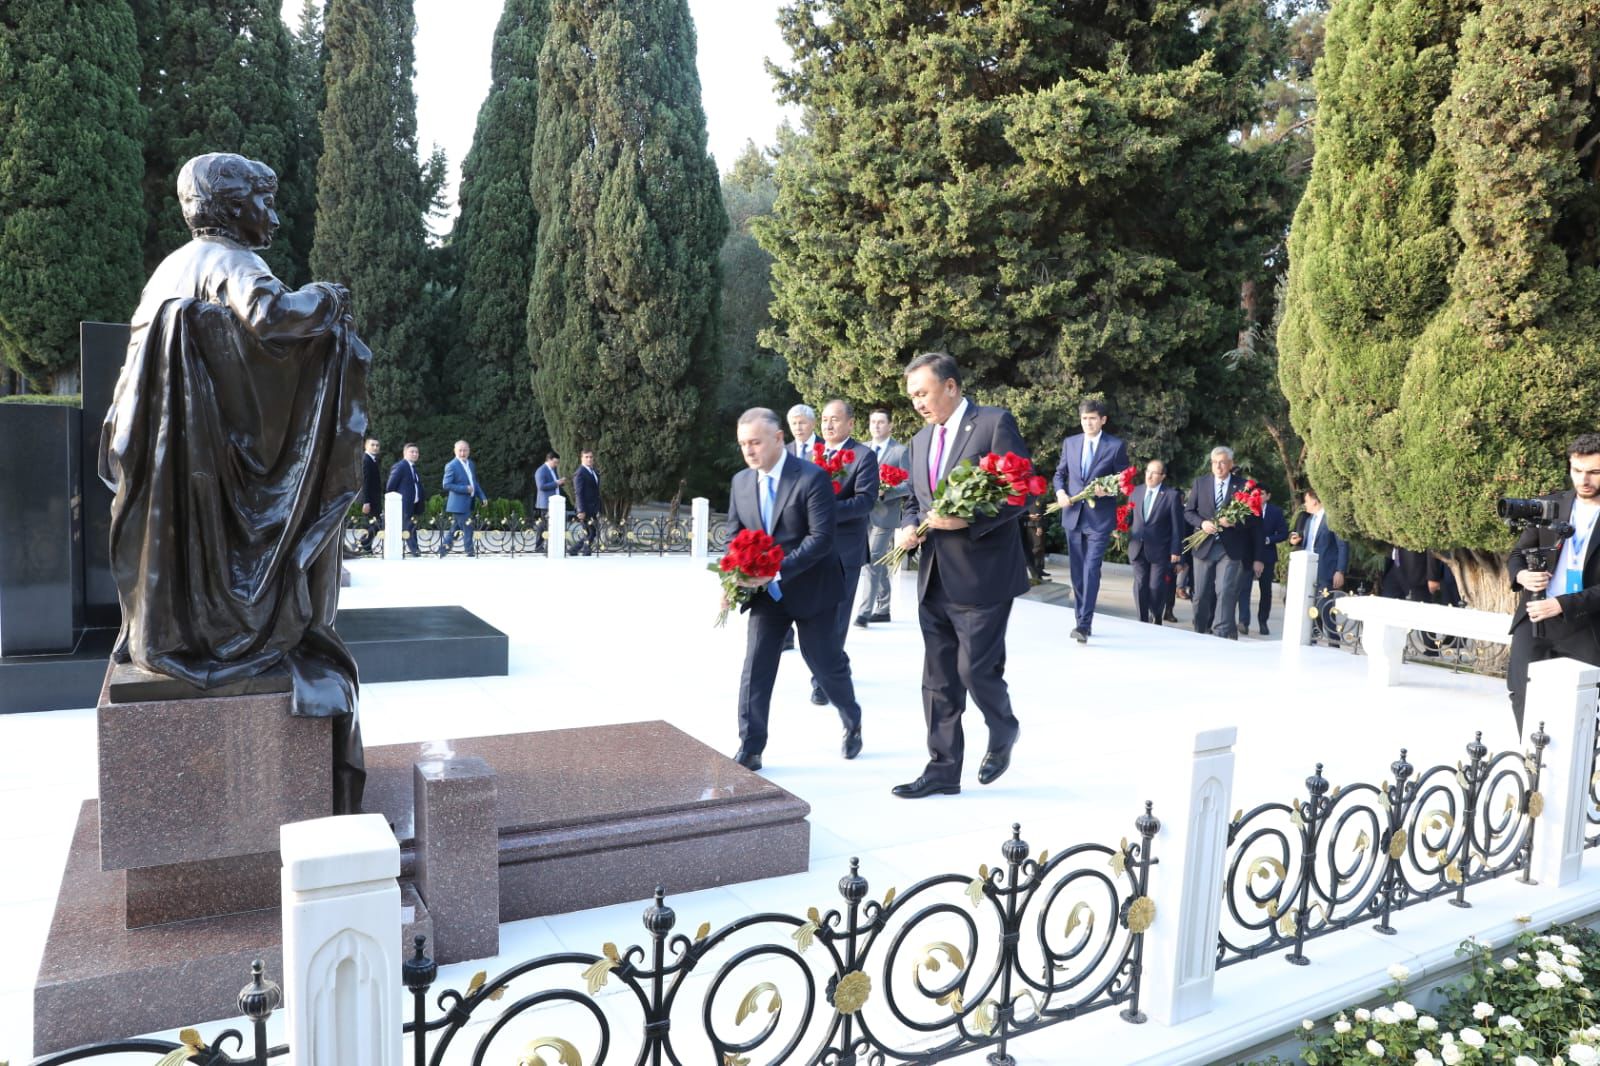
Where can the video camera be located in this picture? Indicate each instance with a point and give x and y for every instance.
(1519, 515)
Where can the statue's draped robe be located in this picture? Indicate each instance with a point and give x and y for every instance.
(233, 446)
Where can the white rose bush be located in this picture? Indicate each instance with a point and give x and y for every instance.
(1535, 1007)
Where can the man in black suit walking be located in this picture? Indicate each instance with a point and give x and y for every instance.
(969, 574)
(371, 494)
(586, 487)
(1155, 540)
(406, 479)
(854, 498)
(793, 501)
(1221, 559)
(1565, 621)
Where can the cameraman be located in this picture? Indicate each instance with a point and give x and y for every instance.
(1571, 613)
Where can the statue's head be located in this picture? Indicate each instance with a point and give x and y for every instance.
(231, 196)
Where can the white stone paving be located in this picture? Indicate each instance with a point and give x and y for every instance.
(616, 640)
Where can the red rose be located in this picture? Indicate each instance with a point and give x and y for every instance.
(1037, 486)
(1017, 501)
(847, 456)
(989, 463)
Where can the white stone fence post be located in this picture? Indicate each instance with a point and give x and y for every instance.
(341, 941)
(555, 537)
(700, 528)
(1299, 596)
(1193, 793)
(394, 526)
(1562, 694)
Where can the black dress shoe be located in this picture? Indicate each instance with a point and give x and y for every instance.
(1169, 617)
(884, 617)
(861, 621)
(997, 761)
(922, 786)
(1244, 630)
(1264, 630)
(819, 697)
(852, 743)
(1231, 636)
(750, 760)
(1079, 635)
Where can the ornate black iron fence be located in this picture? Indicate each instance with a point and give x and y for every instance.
(1592, 817)
(954, 964)
(1342, 856)
(515, 535)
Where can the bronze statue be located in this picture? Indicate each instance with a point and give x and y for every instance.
(233, 446)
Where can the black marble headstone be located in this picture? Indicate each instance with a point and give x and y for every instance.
(104, 346)
(41, 528)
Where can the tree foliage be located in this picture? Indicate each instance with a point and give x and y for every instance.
(70, 209)
(493, 244)
(1048, 192)
(1441, 344)
(622, 312)
(218, 78)
(371, 200)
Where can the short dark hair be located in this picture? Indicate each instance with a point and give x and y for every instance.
(1585, 444)
(407, 445)
(1096, 407)
(550, 455)
(942, 364)
(1311, 494)
(880, 410)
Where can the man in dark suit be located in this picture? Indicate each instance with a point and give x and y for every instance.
(546, 483)
(854, 497)
(586, 489)
(803, 436)
(371, 493)
(1565, 621)
(461, 485)
(1274, 531)
(1409, 575)
(884, 520)
(1222, 558)
(1155, 540)
(1084, 457)
(1333, 553)
(406, 479)
(793, 501)
(969, 574)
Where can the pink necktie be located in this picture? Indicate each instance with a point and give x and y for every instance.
(938, 462)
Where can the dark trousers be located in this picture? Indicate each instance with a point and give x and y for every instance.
(1264, 609)
(541, 525)
(762, 649)
(1086, 550)
(841, 622)
(1152, 586)
(411, 534)
(370, 524)
(1578, 643)
(459, 522)
(588, 533)
(964, 651)
(1216, 580)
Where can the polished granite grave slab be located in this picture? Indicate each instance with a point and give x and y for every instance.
(389, 644)
(99, 980)
(102, 347)
(41, 528)
(603, 814)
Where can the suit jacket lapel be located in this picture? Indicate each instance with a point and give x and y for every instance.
(962, 445)
(788, 482)
(919, 462)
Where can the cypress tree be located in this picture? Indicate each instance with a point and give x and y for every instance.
(371, 199)
(217, 78)
(1046, 191)
(71, 215)
(493, 243)
(1441, 341)
(622, 313)
(306, 62)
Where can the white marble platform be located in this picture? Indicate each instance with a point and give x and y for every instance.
(600, 640)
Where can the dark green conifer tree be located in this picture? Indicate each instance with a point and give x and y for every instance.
(217, 78)
(1046, 191)
(493, 245)
(371, 202)
(306, 61)
(71, 213)
(622, 315)
(1441, 340)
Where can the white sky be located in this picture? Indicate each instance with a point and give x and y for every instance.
(734, 39)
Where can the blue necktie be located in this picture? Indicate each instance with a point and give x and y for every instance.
(1088, 458)
(769, 506)
(1222, 487)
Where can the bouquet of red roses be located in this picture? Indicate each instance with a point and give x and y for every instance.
(1105, 484)
(752, 555)
(835, 466)
(891, 477)
(1124, 523)
(971, 490)
(1243, 505)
